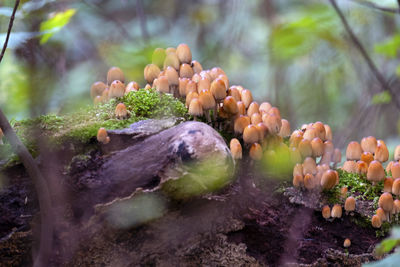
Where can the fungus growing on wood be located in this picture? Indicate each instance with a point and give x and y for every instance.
(381, 152)
(309, 181)
(388, 184)
(196, 66)
(236, 148)
(368, 144)
(326, 212)
(347, 243)
(328, 180)
(395, 169)
(151, 72)
(295, 139)
(247, 97)
(353, 151)
(317, 147)
(375, 173)
(215, 72)
(396, 206)
(376, 221)
(120, 111)
(132, 86)
(285, 128)
(250, 134)
(97, 89)
(196, 78)
(240, 124)
(102, 136)
(115, 73)
(256, 152)
(386, 203)
(367, 157)
(186, 71)
(336, 211)
(195, 108)
(350, 204)
(117, 89)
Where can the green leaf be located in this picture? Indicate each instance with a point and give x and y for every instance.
(386, 245)
(55, 24)
(381, 98)
(388, 47)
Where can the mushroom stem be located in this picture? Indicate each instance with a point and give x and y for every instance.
(207, 114)
(215, 112)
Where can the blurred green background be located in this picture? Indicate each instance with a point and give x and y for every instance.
(294, 54)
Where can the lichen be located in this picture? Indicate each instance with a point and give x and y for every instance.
(81, 126)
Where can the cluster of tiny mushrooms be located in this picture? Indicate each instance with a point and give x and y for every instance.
(260, 128)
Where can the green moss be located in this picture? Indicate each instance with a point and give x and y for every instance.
(81, 126)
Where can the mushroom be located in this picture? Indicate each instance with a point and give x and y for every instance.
(117, 89)
(207, 100)
(250, 134)
(190, 96)
(132, 86)
(196, 66)
(319, 126)
(151, 72)
(102, 136)
(375, 173)
(381, 214)
(173, 80)
(305, 148)
(396, 206)
(309, 181)
(309, 166)
(253, 108)
(274, 111)
(147, 87)
(295, 155)
(336, 211)
(195, 108)
(381, 152)
(328, 180)
(295, 139)
(343, 192)
(396, 155)
(328, 146)
(97, 100)
(215, 72)
(285, 128)
(388, 184)
(241, 107)
(386, 203)
(186, 71)
(350, 166)
(310, 134)
(120, 111)
(347, 243)
(114, 74)
(376, 221)
(298, 169)
(326, 158)
(328, 132)
(265, 107)
(171, 60)
(396, 187)
(234, 92)
(203, 83)
(326, 212)
(236, 148)
(362, 167)
(336, 157)
(97, 89)
(298, 180)
(256, 118)
(247, 97)
(170, 50)
(182, 86)
(191, 86)
(367, 157)
(273, 122)
(353, 151)
(218, 90)
(197, 77)
(162, 84)
(262, 131)
(240, 124)
(230, 105)
(256, 152)
(389, 166)
(317, 147)
(368, 144)
(350, 204)
(158, 57)
(206, 74)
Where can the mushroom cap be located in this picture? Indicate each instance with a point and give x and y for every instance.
(350, 204)
(381, 214)
(328, 146)
(117, 89)
(102, 136)
(151, 72)
(170, 50)
(162, 84)
(195, 107)
(230, 105)
(97, 89)
(247, 97)
(265, 107)
(389, 166)
(172, 60)
(367, 157)
(396, 187)
(309, 182)
(256, 119)
(147, 87)
(309, 166)
(295, 155)
(186, 71)
(375, 172)
(368, 144)
(215, 72)
(388, 184)
(328, 132)
(326, 158)
(196, 66)
(240, 124)
(298, 180)
(395, 170)
(396, 155)
(225, 79)
(347, 243)
(234, 92)
(172, 75)
(305, 148)
(253, 108)
(376, 221)
(310, 134)
(285, 128)
(381, 152)
(236, 148)
(273, 122)
(328, 179)
(132, 86)
(115, 73)
(250, 134)
(326, 212)
(190, 96)
(343, 191)
(295, 138)
(256, 151)
(337, 156)
(158, 57)
(196, 78)
(206, 73)
(184, 54)
(191, 86)
(207, 100)
(241, 108)
(218, 89)
(298, 169)
(317, 147)
(261, 128)
(182, 86)
(386, 202)
(396, 206)
(121, 111)
(362, 167)
(336, 211)
(350, 166)
(319, 126)
(274, 111)
(353, 151)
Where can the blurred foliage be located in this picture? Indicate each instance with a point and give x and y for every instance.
(54, 24)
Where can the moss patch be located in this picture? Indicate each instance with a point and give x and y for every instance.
(81, 126)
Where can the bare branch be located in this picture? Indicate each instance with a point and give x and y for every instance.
(9, 29)
(375, 6)
(382, 81)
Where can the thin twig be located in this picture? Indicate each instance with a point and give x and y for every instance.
(375, 6)
(43, 194)
(384, 84)
(9, 29)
